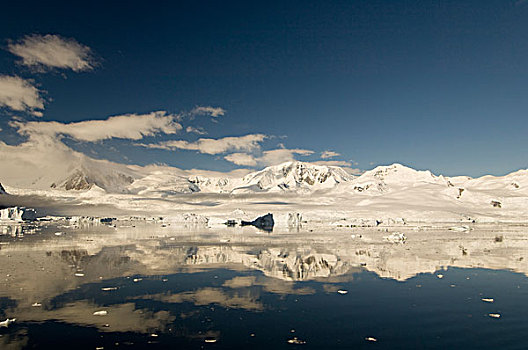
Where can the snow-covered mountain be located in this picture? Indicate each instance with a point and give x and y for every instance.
(396, 176)
(393, 191)
(84, 178)
(293, 176)
(165, 181)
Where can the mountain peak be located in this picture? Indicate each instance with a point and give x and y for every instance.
(295, 175)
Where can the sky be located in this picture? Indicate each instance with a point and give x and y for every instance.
(220, 85)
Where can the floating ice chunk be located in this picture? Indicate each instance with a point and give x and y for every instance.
(488, 300)
(210, 340)
(18, 214)
(440, 276)
(396, 237)
(154, 335)
(294, 219)
(494, 315)
(100, 313)
(342, 291)
(460, 228)
(371, 339)
(107, 289)
(296, 340)
(7, 322)
(138, 279)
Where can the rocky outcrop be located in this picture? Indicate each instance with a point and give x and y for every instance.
(2, 190)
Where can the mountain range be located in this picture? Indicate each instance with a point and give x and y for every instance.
(385, 191)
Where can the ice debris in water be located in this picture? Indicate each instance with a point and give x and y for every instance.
(371, 339)
(440, 276)
(494, 315)
(210, 340)
(396, 237)
(296, 340)
(460, 228)
(7, 322)
(107, 289)
(342, 291)
(100, 313)
(488, 300)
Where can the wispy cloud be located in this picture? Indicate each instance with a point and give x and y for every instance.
(329, 154)
(195, 130)
(20, 95)
(52, 51)
(341, 163)
(242, 159)
(271, 157)
(208, 110)
(246, 143)
(128, 126)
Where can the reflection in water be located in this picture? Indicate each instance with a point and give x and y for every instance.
(103, 285)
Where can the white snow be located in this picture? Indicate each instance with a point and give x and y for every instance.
(295, 192)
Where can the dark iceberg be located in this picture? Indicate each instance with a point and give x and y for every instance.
(265, 222)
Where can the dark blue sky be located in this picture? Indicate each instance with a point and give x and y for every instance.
(434, 85)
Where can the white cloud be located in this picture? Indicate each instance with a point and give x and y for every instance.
(20, 95)
(347, 166)
(246, 143)
(329, 154)
(341, 163)
(52, 51)
(271, 157)
(128, 126)
(208, 110)
(196, 130)
(282, 155)
(243, 159)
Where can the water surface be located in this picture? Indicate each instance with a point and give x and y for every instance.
(153, 286)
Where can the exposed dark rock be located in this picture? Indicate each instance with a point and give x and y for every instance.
(496, 204)
(107, 220)
(231, 223)
(2, 190)
(265, 222)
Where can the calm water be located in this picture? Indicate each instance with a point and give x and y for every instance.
(136, 288)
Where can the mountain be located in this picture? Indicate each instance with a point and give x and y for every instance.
(294, 176)
(321, 193)
(111, 177)
(383, 179)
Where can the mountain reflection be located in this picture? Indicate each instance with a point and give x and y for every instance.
(147, 279)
